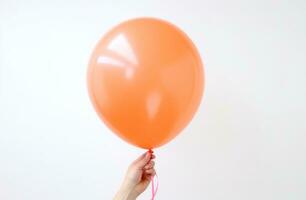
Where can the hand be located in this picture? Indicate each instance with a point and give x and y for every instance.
(138, 177)
(140, 172)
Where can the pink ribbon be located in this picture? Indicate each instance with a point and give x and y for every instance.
(154, 188)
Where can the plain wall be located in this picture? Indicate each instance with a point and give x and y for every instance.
(247, 141)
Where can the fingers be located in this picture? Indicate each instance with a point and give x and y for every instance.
(149, 172)
(150, 165)
(149, 176)
(143, 160)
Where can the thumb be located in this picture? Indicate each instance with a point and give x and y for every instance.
(143, 160)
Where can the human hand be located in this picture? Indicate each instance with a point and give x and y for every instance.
(138, 177)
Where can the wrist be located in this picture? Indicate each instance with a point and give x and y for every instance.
(125, 192)
(133, 195)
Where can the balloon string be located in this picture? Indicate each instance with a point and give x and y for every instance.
(154, 188)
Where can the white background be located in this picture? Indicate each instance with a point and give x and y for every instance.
(247, 140)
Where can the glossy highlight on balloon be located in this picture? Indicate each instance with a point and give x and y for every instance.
(145, 80)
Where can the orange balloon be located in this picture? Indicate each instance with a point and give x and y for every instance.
(145, 80)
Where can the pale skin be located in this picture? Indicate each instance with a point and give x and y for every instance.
(137, 178)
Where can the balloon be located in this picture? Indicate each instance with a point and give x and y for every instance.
(145, 80)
